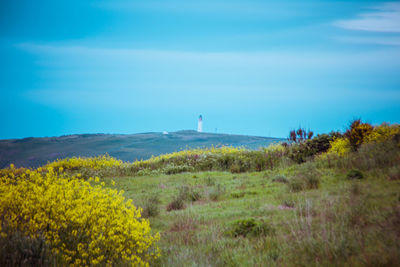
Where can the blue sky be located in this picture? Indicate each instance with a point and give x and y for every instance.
(249, 67)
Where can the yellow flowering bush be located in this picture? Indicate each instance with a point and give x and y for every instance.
(12, 171)
(382, 133)
(377, 134)
(340, 146)
(76, 163)
(86, 224)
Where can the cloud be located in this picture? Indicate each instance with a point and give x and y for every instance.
(385, 18)
(275, 59)
(391, 41)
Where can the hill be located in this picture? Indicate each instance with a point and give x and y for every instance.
(319, 202)
(34, 152)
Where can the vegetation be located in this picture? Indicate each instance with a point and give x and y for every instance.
(85, 224)
(330, 200)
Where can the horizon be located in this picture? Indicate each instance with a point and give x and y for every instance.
(162, 133)
(256, 68)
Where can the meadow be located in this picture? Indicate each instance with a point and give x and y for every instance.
(325, 200)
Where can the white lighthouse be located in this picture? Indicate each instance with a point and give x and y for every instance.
(200, 124)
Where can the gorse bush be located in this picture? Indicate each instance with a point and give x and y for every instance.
(340, 146)
(77, 163)
(85, 224)
(382, 133)
(357, 133)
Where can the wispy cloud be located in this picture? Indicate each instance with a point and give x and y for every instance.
(390, 41)
(385, 18)
(123, 78)
(285, 59)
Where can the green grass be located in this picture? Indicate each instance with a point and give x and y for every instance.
(342, 222)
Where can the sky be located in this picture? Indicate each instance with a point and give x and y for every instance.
(247, 66)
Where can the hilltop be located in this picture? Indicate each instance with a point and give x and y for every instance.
(34, 152)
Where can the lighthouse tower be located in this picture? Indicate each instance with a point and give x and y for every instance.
(200, 124)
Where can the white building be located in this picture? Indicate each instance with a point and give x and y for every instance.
(200, 124)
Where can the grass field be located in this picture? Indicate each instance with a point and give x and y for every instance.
(343, 222)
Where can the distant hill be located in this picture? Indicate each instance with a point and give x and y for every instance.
(33, 152)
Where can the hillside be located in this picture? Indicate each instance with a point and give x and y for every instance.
(332, 200)
(33, 152)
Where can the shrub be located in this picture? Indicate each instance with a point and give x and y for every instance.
(151, 206)
(235, 168)
(280, 179)
(354, 174)
(306, 177)
(18, 249)
(383, 132)
(85, 224)
(238, 194)
(340, 146)
(178, 202)
(300, 135)
(76, 163)
(394, 173)
(357, 133)
(216, 192)
(295, 185)
(290, 203)
(300, 152)
(190, 193)
(174, 169)
(250, 227)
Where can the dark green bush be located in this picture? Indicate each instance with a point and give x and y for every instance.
(250, 227)
(300, 152)
(354, 174)
(238, 194)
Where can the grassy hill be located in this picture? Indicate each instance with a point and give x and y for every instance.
(333, 200)
(34, 152)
